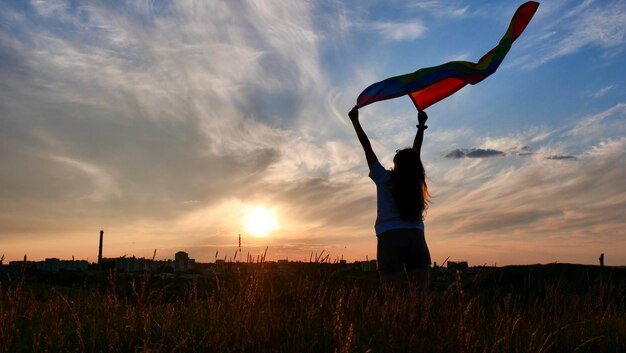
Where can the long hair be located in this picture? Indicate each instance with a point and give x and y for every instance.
(409, 188)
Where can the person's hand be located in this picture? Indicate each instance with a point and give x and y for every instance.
(354, 114)
(422, 117)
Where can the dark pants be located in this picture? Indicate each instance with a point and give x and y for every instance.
(402, 248)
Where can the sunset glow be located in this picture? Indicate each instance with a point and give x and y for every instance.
(170, 125)
(260, 221)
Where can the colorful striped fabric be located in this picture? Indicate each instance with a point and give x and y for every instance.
(429, 85)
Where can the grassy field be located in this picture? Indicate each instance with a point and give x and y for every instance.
(551, 308)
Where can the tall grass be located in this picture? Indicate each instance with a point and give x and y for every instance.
(320, 311)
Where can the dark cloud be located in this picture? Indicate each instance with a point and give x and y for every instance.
(521, 151)
(561, 157)
(455, 154)
(484, 153)
(473, 153)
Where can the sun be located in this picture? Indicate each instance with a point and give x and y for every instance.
(259, 221)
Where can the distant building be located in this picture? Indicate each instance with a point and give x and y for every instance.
(367, 266)
(16, 266)
(131, 264)
(137, 264)
(50, 265)
(182, 262)
(459, 265)
(181, 256)
(54, 265)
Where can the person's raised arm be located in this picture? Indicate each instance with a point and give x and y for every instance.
(419, 136)
(370, 156)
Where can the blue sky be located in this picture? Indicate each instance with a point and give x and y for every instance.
(164, 123)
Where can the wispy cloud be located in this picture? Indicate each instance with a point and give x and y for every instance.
(458, 57)
(591, 23)
(610, 122)
(156, 104)
(102, 184)
(442, 8)
(399, 31)
(542, 200)
(603, 91)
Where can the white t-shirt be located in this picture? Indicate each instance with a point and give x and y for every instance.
(387, 217)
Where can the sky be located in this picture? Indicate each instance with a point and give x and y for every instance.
(167, 123)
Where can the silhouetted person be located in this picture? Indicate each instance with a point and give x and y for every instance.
(601, 258)
(402, 198)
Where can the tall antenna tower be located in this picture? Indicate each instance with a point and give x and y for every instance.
(100, 251)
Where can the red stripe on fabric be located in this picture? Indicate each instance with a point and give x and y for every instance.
(522, 17)
(432, 94)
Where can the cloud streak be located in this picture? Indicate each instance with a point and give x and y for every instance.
(399, 31)
(473, 153)
(590, 23)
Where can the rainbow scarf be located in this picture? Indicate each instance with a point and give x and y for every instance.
(429, 85)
